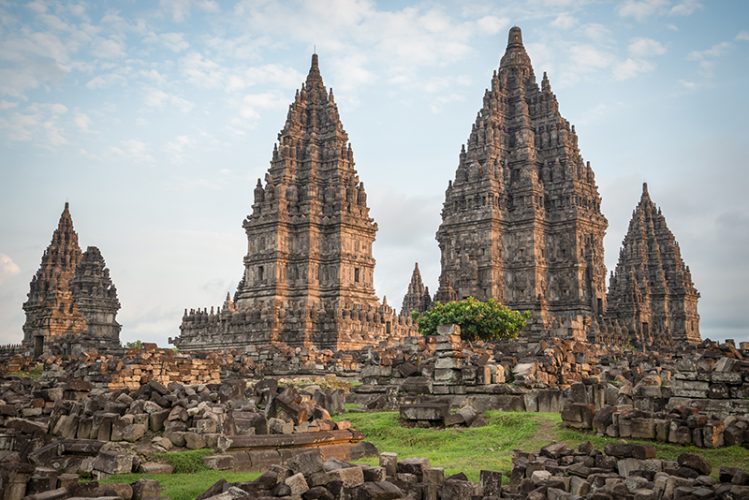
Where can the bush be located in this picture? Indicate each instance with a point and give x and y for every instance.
(135, 344)
(488, 320)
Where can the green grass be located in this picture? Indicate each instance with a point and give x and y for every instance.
(35, 373)
(184, 462)
(185, 486)
(490, 446)
(456, 449)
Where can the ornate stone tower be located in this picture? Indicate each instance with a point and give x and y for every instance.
(60, 302)
(651, 293)
(308, 277)
(96, 296)
(521, 222)
(417, 297)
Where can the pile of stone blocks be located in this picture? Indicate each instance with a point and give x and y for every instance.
(309, 476)
(627, 471)
(648, 412)
(75, 428)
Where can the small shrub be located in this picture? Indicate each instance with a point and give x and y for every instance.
(135, 344)
(488, 320)
(34, 374)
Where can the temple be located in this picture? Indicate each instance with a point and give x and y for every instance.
(521, 221)
(417, 298)
(71, 296)
(308, 271)
(651, 292)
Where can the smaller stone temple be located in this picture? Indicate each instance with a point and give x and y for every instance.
(417, 297)
(71, 296)
(651, 293)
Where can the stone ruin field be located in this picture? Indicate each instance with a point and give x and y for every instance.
(433, 418)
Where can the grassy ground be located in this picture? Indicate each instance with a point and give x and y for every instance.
(490, 447)
(186, 486)
(190, 477)
(456, 449)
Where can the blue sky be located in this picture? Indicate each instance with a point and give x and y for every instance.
(155, 119)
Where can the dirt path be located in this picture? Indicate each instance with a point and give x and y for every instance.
(546, 431)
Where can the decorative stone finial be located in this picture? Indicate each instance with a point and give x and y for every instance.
(515, 38)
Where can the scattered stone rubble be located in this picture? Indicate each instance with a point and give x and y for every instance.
(60, 430)
(621, 471)
(703, 402)
(309, 476)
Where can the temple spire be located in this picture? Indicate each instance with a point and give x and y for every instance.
(313, 77)
(417, 297)
(515, 55)
(651, 285)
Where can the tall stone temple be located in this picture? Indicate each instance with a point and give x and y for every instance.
(651, 293)
(71, 296)
(522, 220)
(308, 272)
(417, 297)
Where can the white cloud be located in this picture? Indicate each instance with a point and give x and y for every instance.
(352, 71)
(491, 25)
(646, 47)
(596, 31)
(109, 49)
(176, 148)
(630, 68)
(437, 104)
(157, 98)
(32, 59)
(172, 41)
(253, 104)
(134, 150)
(274, 75)
(743, 36)
(8, 268)
(564, 21)
(177, 10)
(7, 105)
(102, 81)
(688, 84)
(685, 8)
(201, 71)
(38, 122)
(82, 121)
(641, 9)
(707, 58)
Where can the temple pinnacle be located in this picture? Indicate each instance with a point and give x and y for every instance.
(515, 38)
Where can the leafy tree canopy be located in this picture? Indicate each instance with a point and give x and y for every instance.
(488, 320)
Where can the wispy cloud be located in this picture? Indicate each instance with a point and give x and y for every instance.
(641, 10)
(8, 268)
(708, 58)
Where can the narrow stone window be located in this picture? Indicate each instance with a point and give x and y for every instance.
(260, 273)
(356, 275)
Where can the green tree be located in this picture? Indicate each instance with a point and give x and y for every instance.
(488, 320)
(136, 344)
